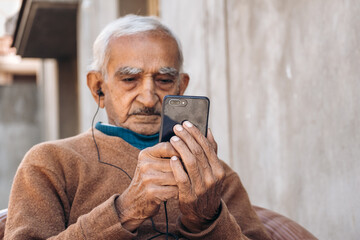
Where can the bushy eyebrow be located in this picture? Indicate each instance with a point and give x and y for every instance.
(169, 71)
(128, 71)
(134, 71)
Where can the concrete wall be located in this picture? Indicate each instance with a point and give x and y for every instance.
(93, 16)
(283, 77)
(19, 129)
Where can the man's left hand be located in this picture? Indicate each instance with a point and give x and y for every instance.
(199, 176)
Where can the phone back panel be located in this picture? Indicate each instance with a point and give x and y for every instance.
(177, 109)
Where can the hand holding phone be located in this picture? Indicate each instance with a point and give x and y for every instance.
(198, 172)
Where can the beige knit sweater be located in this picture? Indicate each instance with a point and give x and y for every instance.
(61, 191)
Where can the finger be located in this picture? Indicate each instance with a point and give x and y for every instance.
(199, 171)
(189, 160)
(198, 136)
(151, 164)
(205, 169)
(158, 178)
(192, 144)
(208, 148)
(212, 141)
(160, 150)
(162, 193)
(180, 176)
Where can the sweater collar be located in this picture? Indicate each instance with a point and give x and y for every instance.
(135, 139)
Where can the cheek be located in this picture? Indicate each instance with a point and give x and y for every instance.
(116, 104)
(174, 91)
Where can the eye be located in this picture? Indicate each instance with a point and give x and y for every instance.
(165, 84)
(130, 79)
(165, 81)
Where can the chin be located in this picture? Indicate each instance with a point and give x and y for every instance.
(147, 130)
(144, 124)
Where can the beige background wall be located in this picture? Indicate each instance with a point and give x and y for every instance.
(284, 80)
(20, 128)
(93, 15)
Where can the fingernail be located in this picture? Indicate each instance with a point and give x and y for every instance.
(188, 124)
(174, 158)
(178, 128)
(175, 138)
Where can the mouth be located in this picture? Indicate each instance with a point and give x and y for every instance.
(145, 114)
(146, 118)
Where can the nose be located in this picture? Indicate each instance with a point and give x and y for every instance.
(147, 96)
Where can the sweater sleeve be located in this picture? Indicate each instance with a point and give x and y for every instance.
(39, 208)
(237, 219)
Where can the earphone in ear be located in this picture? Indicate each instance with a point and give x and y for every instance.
(100, 92)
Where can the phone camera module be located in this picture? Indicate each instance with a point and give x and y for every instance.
(175, 102)
(178, 102)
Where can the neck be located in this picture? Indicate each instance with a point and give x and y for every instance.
(135, 139)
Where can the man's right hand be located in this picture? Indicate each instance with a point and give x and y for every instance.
(152, 184)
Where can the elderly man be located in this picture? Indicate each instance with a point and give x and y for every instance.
(111, 182)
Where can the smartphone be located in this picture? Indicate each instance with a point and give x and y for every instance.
(177, 109)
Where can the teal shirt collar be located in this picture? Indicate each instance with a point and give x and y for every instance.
(135, 139)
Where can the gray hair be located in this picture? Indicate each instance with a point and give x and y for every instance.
(128, 25)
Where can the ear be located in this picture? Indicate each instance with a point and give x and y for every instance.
(95, 82)
(184, 81)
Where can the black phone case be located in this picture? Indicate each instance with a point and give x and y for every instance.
(177, 109)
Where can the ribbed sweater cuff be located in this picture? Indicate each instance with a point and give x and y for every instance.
(103, 223)
(224, 225)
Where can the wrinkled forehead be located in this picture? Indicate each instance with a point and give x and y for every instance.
(144, 50)
(137, 40)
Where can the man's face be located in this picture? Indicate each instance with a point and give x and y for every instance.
(142, 69)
